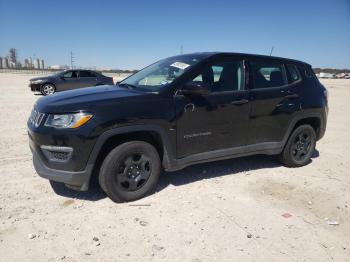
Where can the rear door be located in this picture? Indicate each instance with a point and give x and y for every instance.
(273, 100)
(103, 80)
(218, 120)
(87, 78)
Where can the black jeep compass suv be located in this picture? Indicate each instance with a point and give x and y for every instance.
(179, 111)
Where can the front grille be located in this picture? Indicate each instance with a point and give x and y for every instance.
(36, 118)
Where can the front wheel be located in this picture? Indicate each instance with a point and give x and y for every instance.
(47, 89)
(300, 147)
(130, 171)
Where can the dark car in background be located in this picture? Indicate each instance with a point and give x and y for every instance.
(66, 80)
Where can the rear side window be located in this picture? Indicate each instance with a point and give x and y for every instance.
(293, 73)
(98, 74)
(267, 75)
(85, 74)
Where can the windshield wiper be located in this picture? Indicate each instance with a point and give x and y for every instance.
(129, 86)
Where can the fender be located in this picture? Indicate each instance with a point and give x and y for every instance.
(168, 155)
(320, 114)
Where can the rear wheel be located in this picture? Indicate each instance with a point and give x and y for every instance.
(300, 147)
(47, 89)
(130, 171)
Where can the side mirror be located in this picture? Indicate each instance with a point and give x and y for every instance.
(117, 83)
(196, 88)
(62, 77)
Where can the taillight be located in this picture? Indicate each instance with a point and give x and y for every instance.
(326, 94)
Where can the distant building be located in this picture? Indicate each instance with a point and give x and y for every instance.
(10, 63)
(0, 62)
(31, 62)
(42, 65)
(26, 63)
(13, 56)
(5, 62)
(37, 63)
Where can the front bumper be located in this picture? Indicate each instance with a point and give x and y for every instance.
(52, 160)
(34, 87)
(76, 180)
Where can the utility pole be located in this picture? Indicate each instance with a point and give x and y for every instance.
(71, 59)
(271, 50)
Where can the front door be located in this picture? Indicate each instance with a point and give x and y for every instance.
(69, 80)
(218, 120)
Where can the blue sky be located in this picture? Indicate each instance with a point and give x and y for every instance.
(132, 34)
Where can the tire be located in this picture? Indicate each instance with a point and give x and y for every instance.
(130, 171)
(47, 89)
(300, 147)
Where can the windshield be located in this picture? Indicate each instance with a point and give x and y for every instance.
(161, 73)
(58, 73)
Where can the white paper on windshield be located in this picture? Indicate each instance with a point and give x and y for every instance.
(180, 65)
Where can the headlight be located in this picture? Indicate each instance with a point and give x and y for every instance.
(37, 81)
(68, 120)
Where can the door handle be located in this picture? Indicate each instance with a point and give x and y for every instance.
(239, 102)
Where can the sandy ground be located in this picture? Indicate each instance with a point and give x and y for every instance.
(223, 211)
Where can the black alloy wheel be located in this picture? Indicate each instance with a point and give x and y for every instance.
(299, 147)
(130, 171)
(133, 171)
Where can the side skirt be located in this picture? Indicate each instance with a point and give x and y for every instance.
(269, 148)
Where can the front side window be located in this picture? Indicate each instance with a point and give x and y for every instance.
(70, 74)
(293, 73)
(222, 77)
(266, 74)
(161, 73)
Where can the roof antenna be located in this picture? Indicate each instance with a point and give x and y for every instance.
(271, 50)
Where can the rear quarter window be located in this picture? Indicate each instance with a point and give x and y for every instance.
(293, 73)
(309, 72)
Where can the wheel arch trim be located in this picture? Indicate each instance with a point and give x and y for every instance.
(48, 83)
(320, 116)
(168, 150)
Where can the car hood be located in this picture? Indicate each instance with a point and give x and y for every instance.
(40, 78)
(85, 98)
